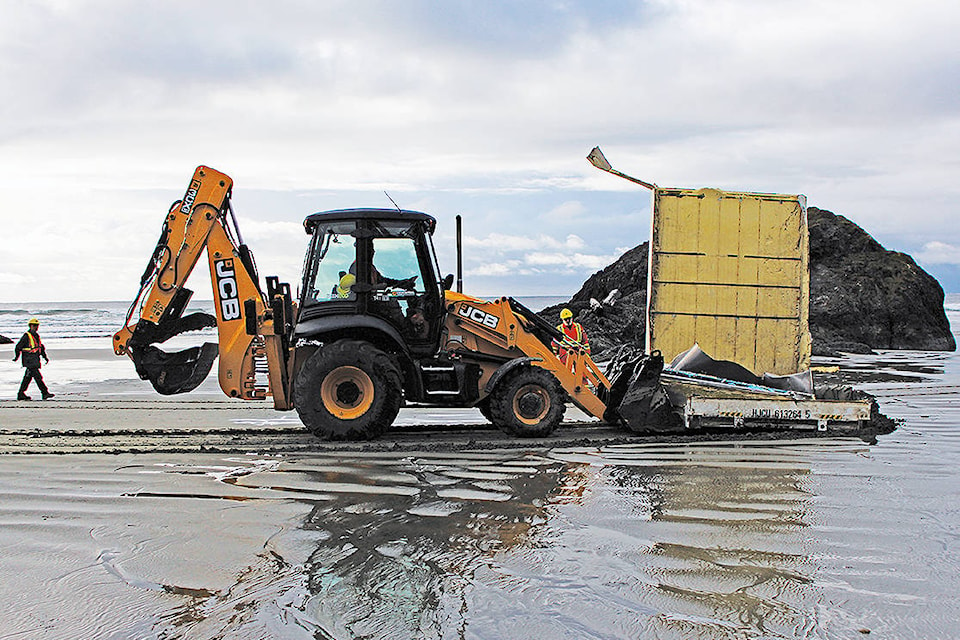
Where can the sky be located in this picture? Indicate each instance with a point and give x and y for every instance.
(485, 109)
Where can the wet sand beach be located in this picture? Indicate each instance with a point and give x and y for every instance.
(199, 517)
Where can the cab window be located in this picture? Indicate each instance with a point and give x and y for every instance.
(396, 259)
(329, 275)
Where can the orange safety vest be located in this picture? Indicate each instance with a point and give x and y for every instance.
(35, 344)
(30, 352)
(575, 333)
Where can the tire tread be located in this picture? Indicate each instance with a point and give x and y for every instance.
(381, 368)
(501, 402)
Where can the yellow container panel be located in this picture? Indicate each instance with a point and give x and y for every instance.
(730, 271)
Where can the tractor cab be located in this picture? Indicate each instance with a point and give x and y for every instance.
(372, 272)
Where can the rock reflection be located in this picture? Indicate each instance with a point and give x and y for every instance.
(883, 367)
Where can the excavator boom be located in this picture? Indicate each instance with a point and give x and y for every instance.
(200, 221)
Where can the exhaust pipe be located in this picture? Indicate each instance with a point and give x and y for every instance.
(459, 253)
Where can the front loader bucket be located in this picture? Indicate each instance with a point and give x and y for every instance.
(637, 399)
(172, 372)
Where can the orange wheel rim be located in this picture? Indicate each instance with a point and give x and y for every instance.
(347, 392)
(531, 404)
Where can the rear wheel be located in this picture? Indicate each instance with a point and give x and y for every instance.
(527, 403)
(348, 390)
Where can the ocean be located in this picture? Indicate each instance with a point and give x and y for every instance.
(88, 320)
(78, 338)
(72, 320)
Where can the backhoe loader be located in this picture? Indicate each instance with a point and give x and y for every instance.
(375, 326)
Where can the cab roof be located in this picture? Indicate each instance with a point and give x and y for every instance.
(338, 215)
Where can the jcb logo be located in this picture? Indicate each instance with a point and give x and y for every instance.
(478, 316)
(227, 289)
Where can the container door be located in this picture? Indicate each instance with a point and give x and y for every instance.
(730, 271)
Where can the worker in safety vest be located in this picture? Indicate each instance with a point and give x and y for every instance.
(30, 349)
(344, 288)
(573, 335)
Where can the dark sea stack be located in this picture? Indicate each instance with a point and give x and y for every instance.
(862, 296)
(5, 340)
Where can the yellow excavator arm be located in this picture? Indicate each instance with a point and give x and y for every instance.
(248, 341)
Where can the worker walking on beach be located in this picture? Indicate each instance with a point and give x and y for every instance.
(573, 333)
(30, 349)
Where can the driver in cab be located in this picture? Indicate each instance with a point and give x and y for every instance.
(380, 281)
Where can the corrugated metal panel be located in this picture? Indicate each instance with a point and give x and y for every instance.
(730, 271)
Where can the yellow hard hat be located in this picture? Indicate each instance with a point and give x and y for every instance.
(566, 313)
(345, 284)
(33, 321)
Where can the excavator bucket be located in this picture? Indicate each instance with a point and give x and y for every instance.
(172, 372)
(177, 372)
(637, 399)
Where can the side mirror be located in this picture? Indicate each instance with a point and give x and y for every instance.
(447, 282)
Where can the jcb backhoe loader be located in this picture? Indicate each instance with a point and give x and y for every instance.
(357, 343)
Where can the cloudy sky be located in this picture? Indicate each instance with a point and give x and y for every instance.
(485, 109)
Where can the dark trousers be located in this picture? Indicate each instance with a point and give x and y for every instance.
(32, 373)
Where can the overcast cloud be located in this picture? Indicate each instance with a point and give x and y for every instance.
(484, 109)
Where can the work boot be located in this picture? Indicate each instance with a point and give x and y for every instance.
(24, 396)
(47, 396)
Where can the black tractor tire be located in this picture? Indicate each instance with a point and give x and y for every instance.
(348, 390)
(528, 403)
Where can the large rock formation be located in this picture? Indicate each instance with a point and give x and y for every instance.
(865, 297)
(5, 340)
(862, 296)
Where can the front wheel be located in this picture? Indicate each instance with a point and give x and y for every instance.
(348, 390)
(527, 403)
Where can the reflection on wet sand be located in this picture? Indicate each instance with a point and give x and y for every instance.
(400, 537)
(673, 541)
(729, 553)
(811, 538)
(752, 539)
